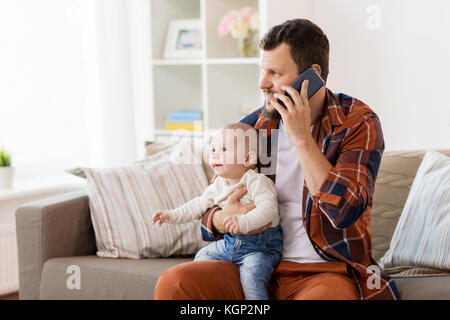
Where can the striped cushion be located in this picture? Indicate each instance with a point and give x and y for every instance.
(123, 200)
(422, 235)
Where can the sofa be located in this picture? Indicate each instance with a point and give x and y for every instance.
(56, 233)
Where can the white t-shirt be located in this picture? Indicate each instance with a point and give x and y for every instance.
(289, 185)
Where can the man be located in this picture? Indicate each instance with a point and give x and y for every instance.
(328, 151)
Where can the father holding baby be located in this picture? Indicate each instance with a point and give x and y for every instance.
(326, 157)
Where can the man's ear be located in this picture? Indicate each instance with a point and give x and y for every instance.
(250, 158)
(317, 69)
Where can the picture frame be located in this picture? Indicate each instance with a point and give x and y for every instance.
(184, 39)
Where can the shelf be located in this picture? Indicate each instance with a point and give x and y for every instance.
(220, 83)
(173, 136)
(214, 10)
(176, 87)
(233, 61)
(162, 62)
(162, 13)
(241, 93)
(33, 187)
(179, 132)
(216, 61)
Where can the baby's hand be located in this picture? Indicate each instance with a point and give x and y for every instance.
(160, 216)
(231, 224)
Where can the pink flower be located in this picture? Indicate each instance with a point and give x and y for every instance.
(246, 12)
(223, 29)
(238, 23)
(224, 25)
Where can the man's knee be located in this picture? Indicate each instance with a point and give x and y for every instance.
(169, 285)
(200, 280)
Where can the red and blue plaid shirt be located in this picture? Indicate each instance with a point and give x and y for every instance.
(337, 219)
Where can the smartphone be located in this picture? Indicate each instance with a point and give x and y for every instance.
(315, 83)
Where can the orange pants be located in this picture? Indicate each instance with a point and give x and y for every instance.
(219, 280)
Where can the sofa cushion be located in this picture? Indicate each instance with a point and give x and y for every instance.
(123, 200)
(394, 181)
(423, 288)
(113, 279)
(104, 278)
(421, 237)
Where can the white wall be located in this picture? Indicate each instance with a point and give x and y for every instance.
(281, 10)
(401, 69)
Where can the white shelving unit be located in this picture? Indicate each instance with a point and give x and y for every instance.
(220, 83)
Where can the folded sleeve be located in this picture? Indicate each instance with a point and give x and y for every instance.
(207, 227)
(349, 185)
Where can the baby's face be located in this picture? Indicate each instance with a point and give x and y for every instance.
(227, 155)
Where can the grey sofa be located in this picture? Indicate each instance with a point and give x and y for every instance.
(56, 233)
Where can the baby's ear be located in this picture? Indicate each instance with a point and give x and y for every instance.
(250, 158)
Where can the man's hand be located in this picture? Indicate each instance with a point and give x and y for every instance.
(234, 207)
(297, 114)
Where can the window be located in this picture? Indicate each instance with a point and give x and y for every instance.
(43, 91)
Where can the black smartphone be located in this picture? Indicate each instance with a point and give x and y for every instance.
(315, 83)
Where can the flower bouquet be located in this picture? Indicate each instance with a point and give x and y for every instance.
(242, 24)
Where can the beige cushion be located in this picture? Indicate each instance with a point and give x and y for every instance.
(422, 234)
(424, 288)
(123, 200)
(107, 279)
(103, 278)
(395, 177)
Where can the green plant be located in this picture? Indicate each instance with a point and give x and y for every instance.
(5, 159)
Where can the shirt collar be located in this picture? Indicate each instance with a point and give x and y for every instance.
(333, 115)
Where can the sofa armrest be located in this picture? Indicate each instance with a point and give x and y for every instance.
(49, 228)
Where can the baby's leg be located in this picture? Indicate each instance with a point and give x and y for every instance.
(255, 270)
(213, 251)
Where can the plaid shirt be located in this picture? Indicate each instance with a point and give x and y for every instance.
(337, 219)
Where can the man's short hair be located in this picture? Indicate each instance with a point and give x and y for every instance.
(308, 44)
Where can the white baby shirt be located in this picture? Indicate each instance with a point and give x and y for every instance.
(260, 190)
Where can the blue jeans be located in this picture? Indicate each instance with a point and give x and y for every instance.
(256, 255)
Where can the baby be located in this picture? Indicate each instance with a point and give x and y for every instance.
(233, 159)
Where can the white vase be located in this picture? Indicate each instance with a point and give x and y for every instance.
(6, 177)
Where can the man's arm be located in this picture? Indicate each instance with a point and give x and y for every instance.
(348, 186)
(314, 165)
(342, 192)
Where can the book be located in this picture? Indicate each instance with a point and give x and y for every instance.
(191, 126)
(185, 115)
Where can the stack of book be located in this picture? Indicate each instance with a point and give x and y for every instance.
(185, 119)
